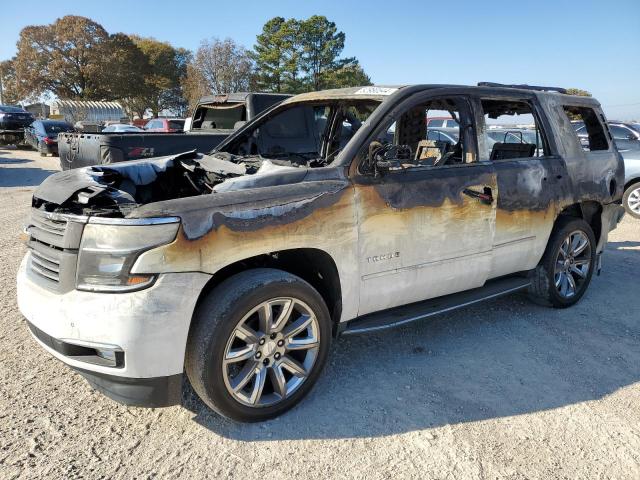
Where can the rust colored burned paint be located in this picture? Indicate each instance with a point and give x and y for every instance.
(229, 239)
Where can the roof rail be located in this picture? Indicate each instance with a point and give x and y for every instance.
(525, 87)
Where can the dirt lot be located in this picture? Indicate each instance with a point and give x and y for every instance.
(506, 389)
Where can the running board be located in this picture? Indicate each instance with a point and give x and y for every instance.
(395, 317)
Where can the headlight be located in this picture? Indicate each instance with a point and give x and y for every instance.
(107, 253)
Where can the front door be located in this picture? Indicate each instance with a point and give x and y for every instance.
(426, 223)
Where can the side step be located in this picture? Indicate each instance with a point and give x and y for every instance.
(417, 311)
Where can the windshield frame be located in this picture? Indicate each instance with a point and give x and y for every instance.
(335, 105)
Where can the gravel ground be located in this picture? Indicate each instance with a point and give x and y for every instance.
(506, 389)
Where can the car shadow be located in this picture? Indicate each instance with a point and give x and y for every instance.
(23, 177)
(493, 360)
(12, 161)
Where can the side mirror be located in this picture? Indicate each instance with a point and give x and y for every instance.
(632, 136)
(384, 157)
(238, 124)
(383, 166)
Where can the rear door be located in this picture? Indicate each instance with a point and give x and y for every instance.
(531, 177)
(425, 227)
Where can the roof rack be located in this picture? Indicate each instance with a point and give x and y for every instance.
(524, 87)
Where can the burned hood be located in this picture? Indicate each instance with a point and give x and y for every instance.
(63, 186)
(119, 189)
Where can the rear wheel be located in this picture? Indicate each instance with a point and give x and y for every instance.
(258, 344)
(631, 200)
(565, 271)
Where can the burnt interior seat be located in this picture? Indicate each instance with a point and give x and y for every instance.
(503, 151)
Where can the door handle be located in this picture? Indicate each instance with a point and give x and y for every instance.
(485, 197)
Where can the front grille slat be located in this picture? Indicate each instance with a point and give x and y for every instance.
(45, 273)
(53, 246)
(41, 262)
(56, 228)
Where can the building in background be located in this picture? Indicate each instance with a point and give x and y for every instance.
(88, 114)
(38, 110)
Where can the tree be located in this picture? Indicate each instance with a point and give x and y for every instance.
(276, 55)
(322, 44)
(124, 78)
(8, 83)
(578, 91)
(64, 58)
(348, 73)
(300, 55)
(163, 72)
(222, 66)
(194, 86)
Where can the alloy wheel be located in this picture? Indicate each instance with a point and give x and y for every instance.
(633, 201)
(572, 265)
(271, 352)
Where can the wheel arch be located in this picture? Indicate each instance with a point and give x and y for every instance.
(315, 266)
(590, 211)
(631, 182)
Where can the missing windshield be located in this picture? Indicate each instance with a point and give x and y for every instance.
(306, 134)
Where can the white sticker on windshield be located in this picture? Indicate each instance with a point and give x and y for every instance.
(376, 91)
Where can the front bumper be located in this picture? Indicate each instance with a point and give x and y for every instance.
(51, 148)
(11, 136)
(147, 330)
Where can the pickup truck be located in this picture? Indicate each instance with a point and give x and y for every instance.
(330, 214)
(13, 121)
(214, 119)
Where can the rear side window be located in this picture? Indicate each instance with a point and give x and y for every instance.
(512, 130)
(176, 124)
(592, 136)
(57, 127)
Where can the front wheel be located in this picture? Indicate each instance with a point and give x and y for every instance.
(258, 344)
(564, 273)
(631, 200)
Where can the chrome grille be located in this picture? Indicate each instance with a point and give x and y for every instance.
(54, 240)
(47, 228)
(45, 264)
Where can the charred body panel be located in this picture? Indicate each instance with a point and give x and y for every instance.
(395, 235)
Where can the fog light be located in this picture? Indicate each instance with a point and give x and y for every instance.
(109, 355)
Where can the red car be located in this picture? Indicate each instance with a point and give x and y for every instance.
(166, 125)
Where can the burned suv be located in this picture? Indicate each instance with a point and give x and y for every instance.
(331, 213)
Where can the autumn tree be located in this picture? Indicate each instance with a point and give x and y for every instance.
(163, 72)
(64, 58)
(8, 82)
(194, 86)
(219, 66)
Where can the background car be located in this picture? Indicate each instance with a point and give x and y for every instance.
(42, 135)
(14, 118)
(447, 135)
(631, 197)
(166, 125)
(441, 122)
(625, 135)
(122, 128)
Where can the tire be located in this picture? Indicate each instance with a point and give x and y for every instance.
(215, 335)
(543, 288)
(631, 200)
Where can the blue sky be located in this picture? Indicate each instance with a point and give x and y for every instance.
(587, 44)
